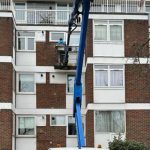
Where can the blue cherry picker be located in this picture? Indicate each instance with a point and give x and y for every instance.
(74, 18)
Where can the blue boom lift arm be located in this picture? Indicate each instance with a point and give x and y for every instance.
(78, 85)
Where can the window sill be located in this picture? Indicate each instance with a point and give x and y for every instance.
(27, 51)
(26, 136)
(108, 42)
(26, 93)
(109, 88)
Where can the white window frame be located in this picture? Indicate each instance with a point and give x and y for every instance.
(50, 36)
(57, 124)
(26, 42)
(109, 132)
(108, 71)
(108, 23)
(83, 84)
(84, 121)
(17, 83)
(17, 126)
(25, 20)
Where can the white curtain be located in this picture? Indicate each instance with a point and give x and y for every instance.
(116, 78)
(110, 121)
(102, 121)
(100, 32)
(117, 122)
(101, 78)
(115, 32)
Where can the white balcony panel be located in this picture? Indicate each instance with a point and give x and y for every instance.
(69, 101)
(25, 101)
(109, 49)
(26, 58)
(25, 143)
(104, 138)
(109, 95)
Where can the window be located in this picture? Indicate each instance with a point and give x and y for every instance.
(55, 36)
(26, 126)
(108, 31)
(26, 83)
(26, 41)
(109, 76)
(72, 125)
(110, 121)
(70, 83)
(74, 39)
(20, 13)
(58, 120)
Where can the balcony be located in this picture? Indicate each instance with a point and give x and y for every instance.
(119, 6)
(42, 17)
(5, 5)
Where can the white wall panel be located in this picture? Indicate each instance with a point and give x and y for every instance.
(109, 49)
(109, 95)
(25, 143)
(25, 101)
(26, 59)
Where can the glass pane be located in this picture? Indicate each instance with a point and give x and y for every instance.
(117, 122)
(74, 39)
(71, 126)
(20, 15)
(26, 83)
(103, 121)
(24, 33)
(116, 78)
(115, 33)
(70, 86)
(26, 126)
(57, 36)
(101, 78)
(101, 67)
(21, 43)
(30, 43)
(100, 32)
(19, 5)
(116, 67)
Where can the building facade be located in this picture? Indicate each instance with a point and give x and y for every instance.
(36, 94)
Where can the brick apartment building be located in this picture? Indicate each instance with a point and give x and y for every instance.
(36, 96)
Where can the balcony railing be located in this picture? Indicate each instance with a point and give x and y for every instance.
(5, 5)
(118, 6)
(41, 16)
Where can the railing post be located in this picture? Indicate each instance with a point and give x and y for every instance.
(126, 6)
(35, 11)
(107, 6)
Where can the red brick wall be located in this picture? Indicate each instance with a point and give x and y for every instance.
(46, 54)
(137, 83)
(90, 129)
(5, 130)
(6, 70)
(51, 95)
(138, 126)
(89, 84)
(135, 33)
(89, 40)
(6, 36)
(50, 136)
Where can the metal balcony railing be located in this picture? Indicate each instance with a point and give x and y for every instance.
(5, 5)
(42, 16)
(118, 6)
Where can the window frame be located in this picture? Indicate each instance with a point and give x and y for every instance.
(109, 76)
(84, 121)
(17, 125)
(109, 23)
(109, 111)
(26, 42)
(17, 83)
(58, 124)
(50, 36)
(82, 80)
